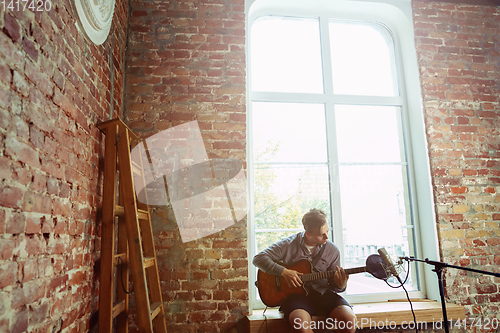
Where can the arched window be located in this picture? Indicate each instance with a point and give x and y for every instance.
(335, 122)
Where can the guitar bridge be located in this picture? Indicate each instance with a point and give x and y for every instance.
(278, 283)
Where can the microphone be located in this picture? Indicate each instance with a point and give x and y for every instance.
(389, 263)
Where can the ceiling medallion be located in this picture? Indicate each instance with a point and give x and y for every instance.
(94, 18)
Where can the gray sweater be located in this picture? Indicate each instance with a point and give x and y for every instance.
(292, 249)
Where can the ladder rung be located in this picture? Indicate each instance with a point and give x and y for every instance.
(116, 258)
(136, 168)
(118, 308)
(155, 309)
(149, 261)
(141, 214)
(119, 211)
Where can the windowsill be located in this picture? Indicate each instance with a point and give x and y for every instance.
(374, 315)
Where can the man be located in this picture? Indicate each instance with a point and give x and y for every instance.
(322, 298)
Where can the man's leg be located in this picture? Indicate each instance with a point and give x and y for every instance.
(300, 321)
(345, 319)
(298, 309)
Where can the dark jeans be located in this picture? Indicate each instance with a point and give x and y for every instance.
(314, 303)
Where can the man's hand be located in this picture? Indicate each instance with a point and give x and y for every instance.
(340, 278)
(292, 277)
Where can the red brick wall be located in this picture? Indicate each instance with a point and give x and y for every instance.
(54, 88)
(185, 62)
(458, 54)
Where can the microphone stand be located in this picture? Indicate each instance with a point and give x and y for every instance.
(438, 268)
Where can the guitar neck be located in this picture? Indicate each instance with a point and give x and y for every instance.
(329, 274)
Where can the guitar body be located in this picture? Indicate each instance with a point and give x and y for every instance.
(273, 289)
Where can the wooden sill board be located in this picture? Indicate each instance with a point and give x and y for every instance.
(392, 313)
(400, 312)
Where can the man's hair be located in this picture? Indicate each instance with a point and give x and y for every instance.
(313, 219)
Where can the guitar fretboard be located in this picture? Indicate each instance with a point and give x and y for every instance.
(329, 274)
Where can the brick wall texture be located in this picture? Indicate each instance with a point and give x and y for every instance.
(458, 49)
(185, 61)
(54, 88)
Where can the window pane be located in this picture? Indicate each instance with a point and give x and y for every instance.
(286, 55)
(291, 168)
(375, 214)
(363, 61)
(284, 192)
(368, 134)
(289, 132)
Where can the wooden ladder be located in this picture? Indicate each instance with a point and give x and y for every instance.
(135, 249)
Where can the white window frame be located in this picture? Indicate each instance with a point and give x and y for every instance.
(422, 199)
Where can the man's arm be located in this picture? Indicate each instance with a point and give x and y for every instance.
(339, 280)
(268, 258)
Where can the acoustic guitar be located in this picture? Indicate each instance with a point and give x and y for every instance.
(273, 289)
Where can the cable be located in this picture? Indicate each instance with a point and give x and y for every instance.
(411, 307)
(121, 274)
(265, 317)
(406, 292)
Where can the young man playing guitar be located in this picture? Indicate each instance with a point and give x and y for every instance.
(322, 295)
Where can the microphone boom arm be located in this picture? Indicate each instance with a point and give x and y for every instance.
(440, 264)
(438, 269)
